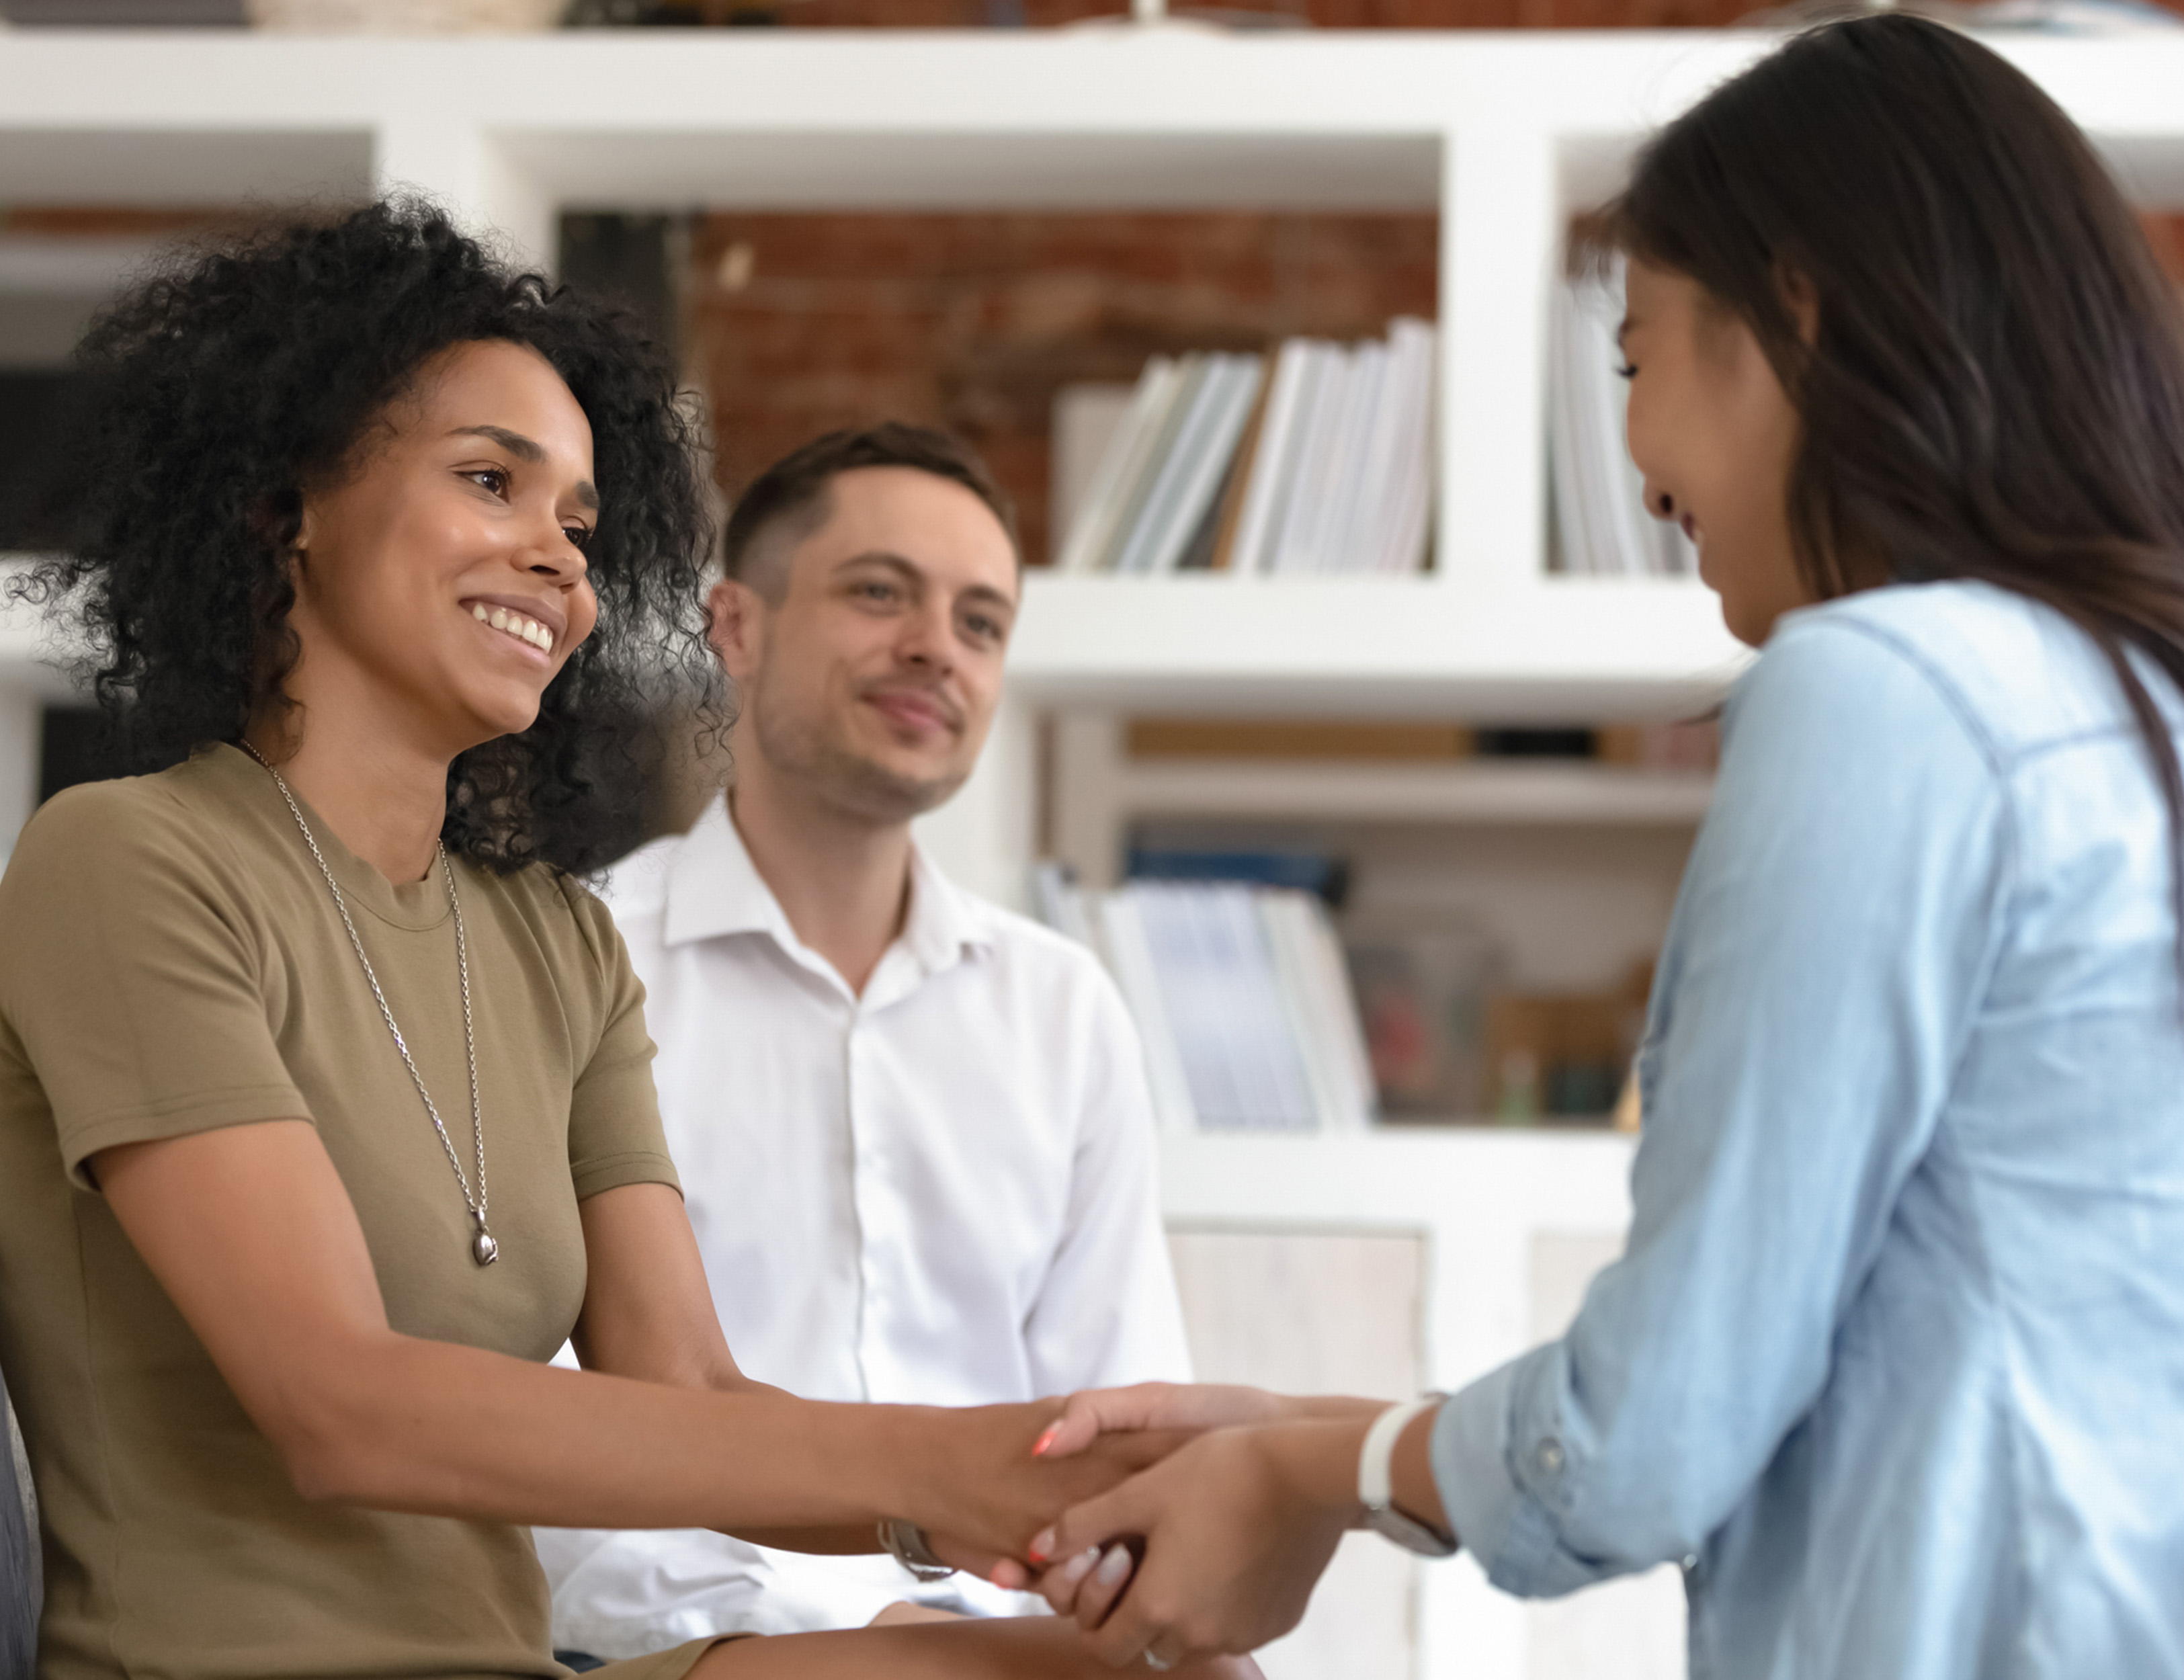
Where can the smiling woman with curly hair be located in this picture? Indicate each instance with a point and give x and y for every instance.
(228, 391)
(326, 1104)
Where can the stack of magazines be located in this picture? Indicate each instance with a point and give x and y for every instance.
(1322, 463)
(1602, 527)
(1241, 995)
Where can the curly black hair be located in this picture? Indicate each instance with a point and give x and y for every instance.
(221, 387)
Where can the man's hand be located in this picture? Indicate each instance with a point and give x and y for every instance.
(1237, 1527)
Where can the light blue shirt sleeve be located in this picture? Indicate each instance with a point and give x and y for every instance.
(1837, 927)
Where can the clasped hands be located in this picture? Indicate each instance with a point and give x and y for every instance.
(1183, 1520)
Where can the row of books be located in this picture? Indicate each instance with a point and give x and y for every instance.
(1602, 527)
(1241, 997)
(1322, 463)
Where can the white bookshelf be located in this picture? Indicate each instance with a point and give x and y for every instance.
(1503, 134)
(1507, 1226)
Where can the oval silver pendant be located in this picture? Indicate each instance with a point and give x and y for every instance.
(483, 1250)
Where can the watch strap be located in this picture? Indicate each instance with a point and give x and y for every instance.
(1376, 1482)
(1376, 1464)
(906, 1544)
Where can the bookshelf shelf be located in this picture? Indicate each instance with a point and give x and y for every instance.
(1513, 792)
(1582, 648)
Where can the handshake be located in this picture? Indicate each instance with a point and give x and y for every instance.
(1173, 1522)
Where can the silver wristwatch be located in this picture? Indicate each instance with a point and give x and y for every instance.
(906, 1544)
(1375, 1484)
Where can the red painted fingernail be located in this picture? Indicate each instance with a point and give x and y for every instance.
(1039, 1447)
(1041, 1548)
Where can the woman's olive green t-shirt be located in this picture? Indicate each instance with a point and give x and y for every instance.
(171, 962)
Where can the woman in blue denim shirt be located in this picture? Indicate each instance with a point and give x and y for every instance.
(1894, 1362)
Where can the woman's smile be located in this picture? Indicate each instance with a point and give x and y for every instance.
(537, 626)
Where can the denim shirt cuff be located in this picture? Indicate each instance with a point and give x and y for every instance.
(1489, 1510)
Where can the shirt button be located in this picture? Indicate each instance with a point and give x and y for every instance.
(1548, 1455)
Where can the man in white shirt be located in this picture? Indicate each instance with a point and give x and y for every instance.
(913, 1129)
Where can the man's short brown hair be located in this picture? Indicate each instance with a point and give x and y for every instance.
(793, 490)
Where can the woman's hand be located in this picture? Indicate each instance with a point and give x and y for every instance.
(1190, 1407)
(971, 1479)
(1153, 1418)
(1237, 1527)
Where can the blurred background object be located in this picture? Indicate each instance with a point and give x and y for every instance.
(125, 14)
(407, 17)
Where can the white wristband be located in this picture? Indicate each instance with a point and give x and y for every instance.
(1376, 1463)
(1376, 1483)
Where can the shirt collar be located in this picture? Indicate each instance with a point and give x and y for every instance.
(714, 889)
(946, 924)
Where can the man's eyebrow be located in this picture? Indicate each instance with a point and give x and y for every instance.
(883, 557)
(909, 569)
(524, 449)
(986, 592)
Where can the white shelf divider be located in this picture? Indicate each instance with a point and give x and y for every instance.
(1501, 232)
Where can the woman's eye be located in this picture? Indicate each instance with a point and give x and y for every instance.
(1626, 369)
(579, 535)
(489, 478)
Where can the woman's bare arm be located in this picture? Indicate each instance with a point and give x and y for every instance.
(649, 1314)
(251, 1233)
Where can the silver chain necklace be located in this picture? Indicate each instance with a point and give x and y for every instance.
(483, 1250)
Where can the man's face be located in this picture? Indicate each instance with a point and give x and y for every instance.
(873, 680)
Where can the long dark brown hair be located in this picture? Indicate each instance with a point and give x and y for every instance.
(1996, 387)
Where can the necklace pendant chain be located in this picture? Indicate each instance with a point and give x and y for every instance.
(483, 1249)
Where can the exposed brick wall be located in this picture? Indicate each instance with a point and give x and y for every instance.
(974, 322)
(2166, 234)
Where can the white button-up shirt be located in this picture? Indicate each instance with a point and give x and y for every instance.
(941, 1192)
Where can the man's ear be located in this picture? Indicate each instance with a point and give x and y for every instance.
(735, 625)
